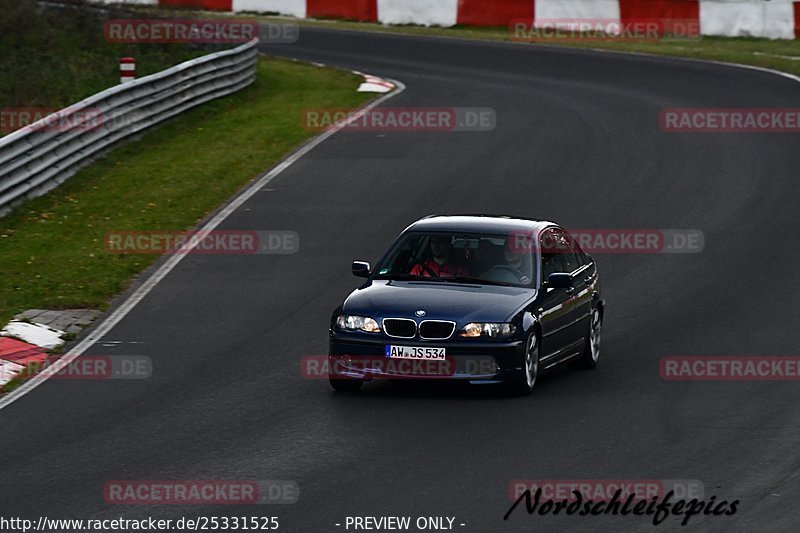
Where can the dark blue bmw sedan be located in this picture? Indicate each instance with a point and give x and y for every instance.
(486, 299)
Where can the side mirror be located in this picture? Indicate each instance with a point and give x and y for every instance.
(361, 269)
(559, 280)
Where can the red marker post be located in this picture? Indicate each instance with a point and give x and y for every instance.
(127, 69)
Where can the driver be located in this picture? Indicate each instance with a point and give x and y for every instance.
(439, 264)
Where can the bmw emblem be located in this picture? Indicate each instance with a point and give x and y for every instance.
(420, 312)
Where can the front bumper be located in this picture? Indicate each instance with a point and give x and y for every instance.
(363, 356)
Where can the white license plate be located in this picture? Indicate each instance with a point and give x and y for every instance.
(424, 353)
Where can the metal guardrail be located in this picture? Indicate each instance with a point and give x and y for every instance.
(39, 157)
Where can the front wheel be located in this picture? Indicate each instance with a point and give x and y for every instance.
(591, 353)
(525, 379)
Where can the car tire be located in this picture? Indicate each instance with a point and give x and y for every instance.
(591, 352)
(525, 379)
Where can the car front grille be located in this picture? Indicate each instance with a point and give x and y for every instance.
(436, 329)
(403, 328)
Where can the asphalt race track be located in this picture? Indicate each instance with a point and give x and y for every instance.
(578, 141)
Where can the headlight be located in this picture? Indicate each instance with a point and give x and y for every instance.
(488, 329)
(362, 323)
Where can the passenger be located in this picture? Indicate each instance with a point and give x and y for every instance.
(439, 265)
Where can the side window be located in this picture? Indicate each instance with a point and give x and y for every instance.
(567, 250)
(583, 259)
(551, 256)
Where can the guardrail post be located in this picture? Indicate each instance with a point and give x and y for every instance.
(127, 69)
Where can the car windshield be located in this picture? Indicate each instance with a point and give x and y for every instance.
(459, 257)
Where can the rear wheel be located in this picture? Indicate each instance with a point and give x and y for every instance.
(591, 353)
(525, 379)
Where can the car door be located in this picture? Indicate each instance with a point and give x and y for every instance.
(582, 270)
(556, 308)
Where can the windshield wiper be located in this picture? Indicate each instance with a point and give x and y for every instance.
(407, 277)
(465, 279)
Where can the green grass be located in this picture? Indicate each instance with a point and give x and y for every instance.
(55, 56)
(744, 50)
(51, 248)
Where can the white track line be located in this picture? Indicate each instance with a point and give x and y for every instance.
(766, 70)
(138, 295)
(750, 67)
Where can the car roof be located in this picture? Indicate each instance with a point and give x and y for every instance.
(480, 223)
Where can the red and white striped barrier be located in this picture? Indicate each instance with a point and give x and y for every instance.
(16, 356)
(295, 8)
(361, 10)
(137, 2)
(373, 84)
(127, 69)
(774, 19)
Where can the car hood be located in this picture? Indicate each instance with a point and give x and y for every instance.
(440, 300)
